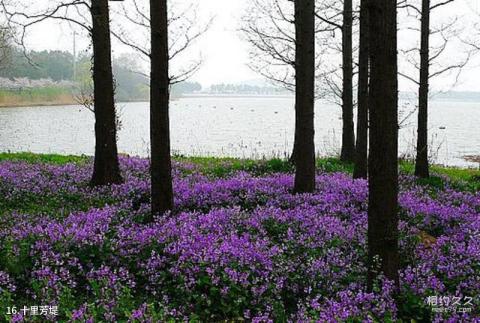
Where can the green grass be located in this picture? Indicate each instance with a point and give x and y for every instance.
(43, 158)
(462, 178)
(465, 179)
(333, 165)
(221, 167)
(454, 173)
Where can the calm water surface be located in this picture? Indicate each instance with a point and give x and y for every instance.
(229, 126)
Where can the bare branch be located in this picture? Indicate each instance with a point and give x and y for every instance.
(444, 38)
(184, 31)
(440, 4)
(408, 77)
(268, 27)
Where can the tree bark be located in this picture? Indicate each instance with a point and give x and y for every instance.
(296, 141)
(383, 158)
(161, 164)
(348, 134)
(361, 149)
(421, 164)
(106, 168)
(304, 95)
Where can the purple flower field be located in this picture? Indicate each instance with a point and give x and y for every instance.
(239, 246)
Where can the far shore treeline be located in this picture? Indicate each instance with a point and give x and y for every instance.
(54, 77)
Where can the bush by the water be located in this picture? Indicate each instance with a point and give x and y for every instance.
(240, 245)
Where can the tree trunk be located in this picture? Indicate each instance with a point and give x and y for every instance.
(421, 164)
(295, 145)
(383, 158)
(348, 134)
(161, 164)
(106, 168)
(304, 95)
(361, 149)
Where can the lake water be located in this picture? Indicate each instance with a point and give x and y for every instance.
(230, 126)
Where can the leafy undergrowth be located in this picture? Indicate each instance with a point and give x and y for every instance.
(238, 246)
(463, 179)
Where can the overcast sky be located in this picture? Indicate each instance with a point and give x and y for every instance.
(224, 53)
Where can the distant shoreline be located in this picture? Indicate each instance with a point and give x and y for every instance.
(73, 102)
(66, 101)
(233, 95)
(37, 104)
(49, 104)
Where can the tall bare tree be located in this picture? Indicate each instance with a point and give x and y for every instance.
(92, 17)
(428, 66)
(305, 95)
(169, 34)
(106, 169)
(161, 167)
(361, 149)
(339, 16)
(269, 28)
(348, 134)
(421, 162)
(383, 159)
